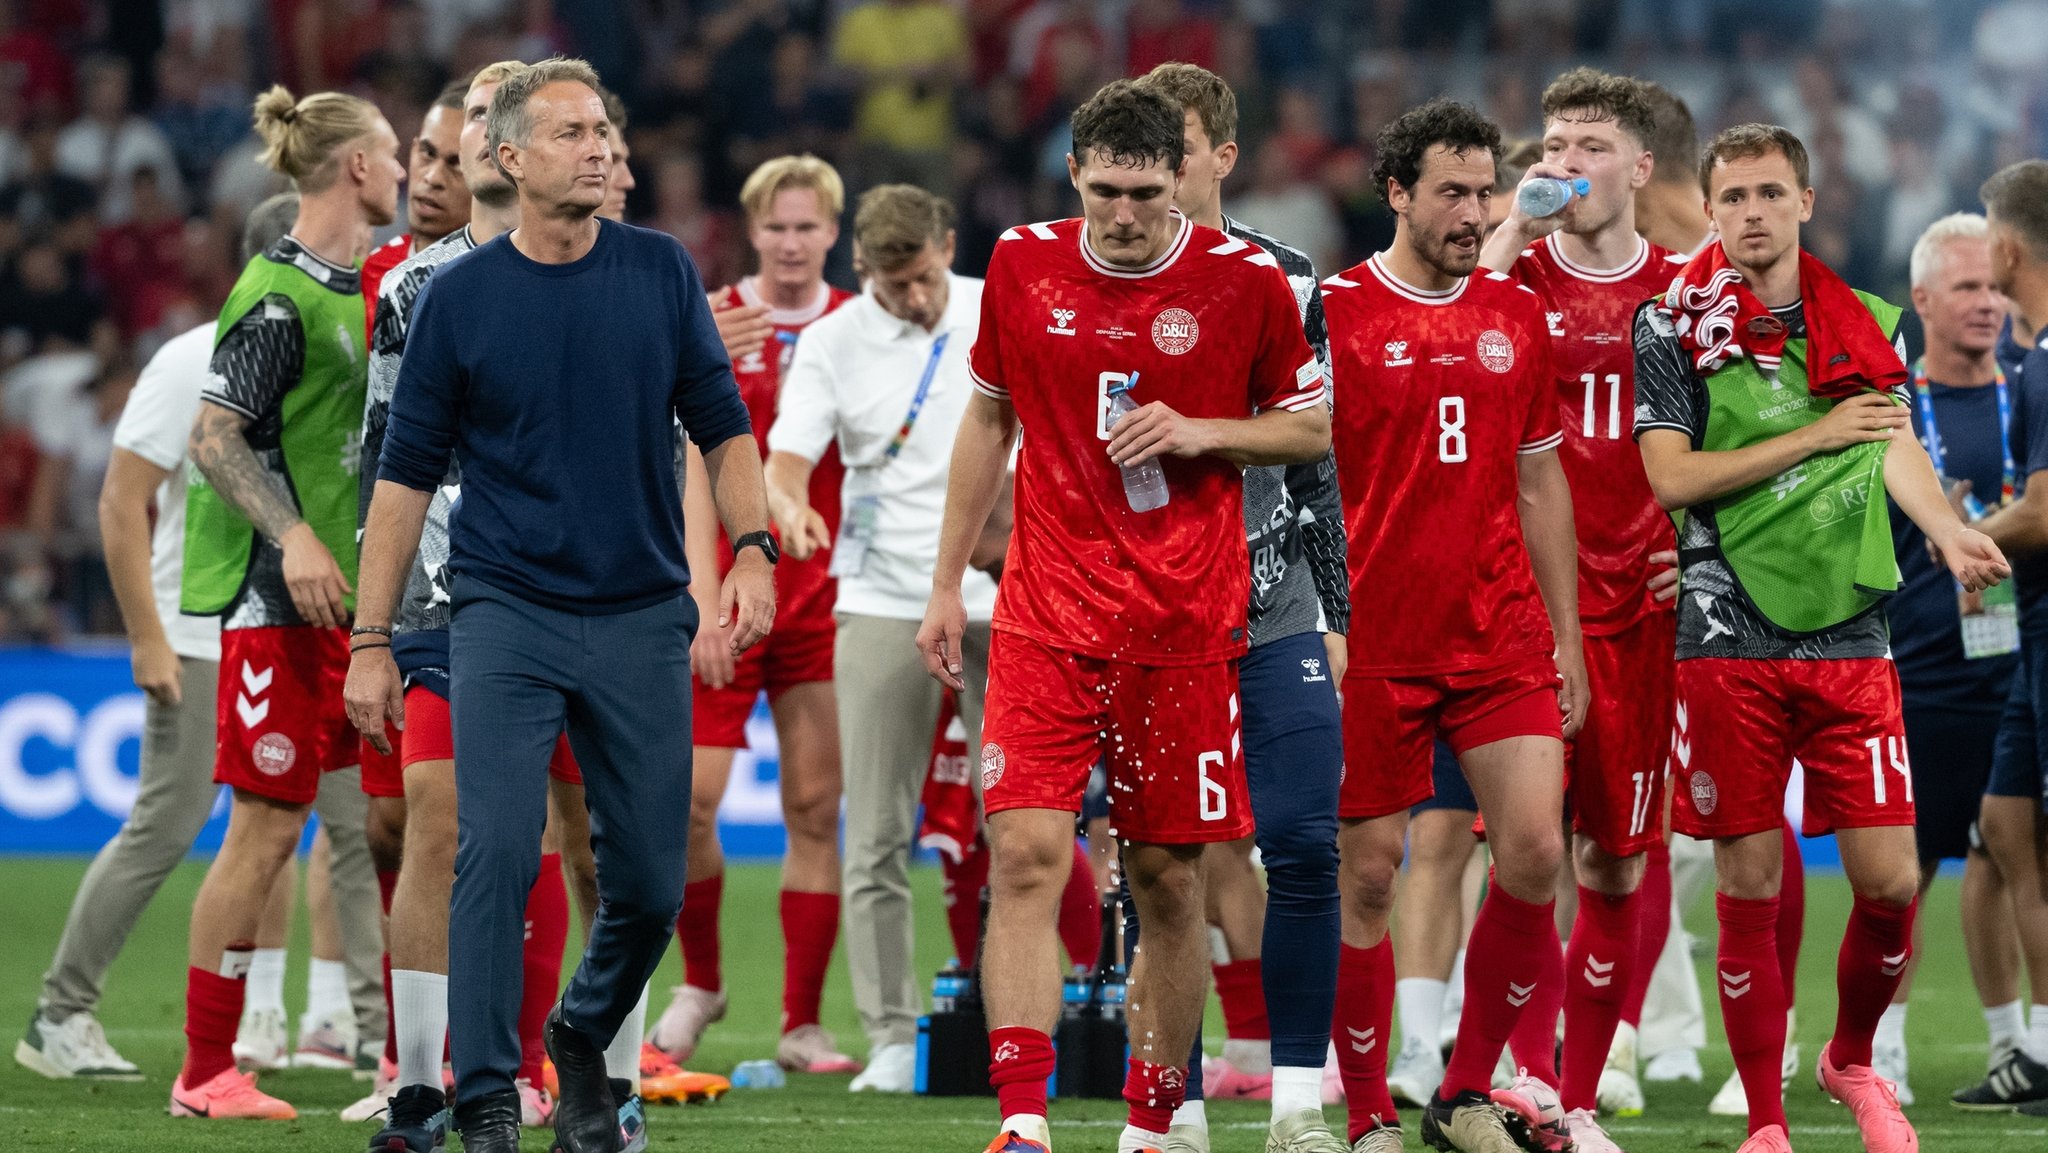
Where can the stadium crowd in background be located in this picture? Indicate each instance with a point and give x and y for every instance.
(127, 163)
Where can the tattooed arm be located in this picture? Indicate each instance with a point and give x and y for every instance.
(223, 454)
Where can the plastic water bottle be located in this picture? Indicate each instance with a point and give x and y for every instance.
(759, 1075)
(1547, 195)
(1144, 484)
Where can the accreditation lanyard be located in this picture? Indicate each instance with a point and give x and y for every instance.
(1937, 450)
(863, 513)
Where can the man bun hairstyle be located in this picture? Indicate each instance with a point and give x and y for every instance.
(2017, 197)
(895, 222)
(1748, 141)
(510, 118)
(1128, 123)
(1402, 144)
(301, 137)
(1588, 94)
(1674, 140)
(1198, 90)
(781, 173)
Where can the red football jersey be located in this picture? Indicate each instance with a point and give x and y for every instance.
(1591, 316)
(382, 259)
(1211, 329)
(759, 375)
(1441, 393)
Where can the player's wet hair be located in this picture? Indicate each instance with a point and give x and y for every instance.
(302, 139)
(896, 221)
(1198, 90)
(2017, 198)
(1130, 124)
(1588, 94)
(1402, 144)
(1674, 140)
(785, 172)
(1748, 141)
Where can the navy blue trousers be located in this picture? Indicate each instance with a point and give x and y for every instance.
(1294, 765)
(519, 674)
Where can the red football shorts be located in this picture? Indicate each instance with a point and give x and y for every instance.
(1614, 768)
(951, 812)
(1741, 723)
(384, 773)
(430, 736)
(1391, 722)
(281, 723)
(1171, 736)
(797, 652)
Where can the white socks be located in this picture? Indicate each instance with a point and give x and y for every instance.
(2037, 1033)
(327, 990)
(1296, 1089)
(2007, 1025)
(1031, 1127)
(1420, 1002)
(622, 1057)
(1136, 1140)
(266, 981)
(419, 1011)
(1891, 1027)
(1195, 1113)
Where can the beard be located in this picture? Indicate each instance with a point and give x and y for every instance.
(1442, 253)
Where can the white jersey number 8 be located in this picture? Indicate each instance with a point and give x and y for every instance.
(1450, 437)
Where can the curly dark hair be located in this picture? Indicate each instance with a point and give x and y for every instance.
(1590, 94)
(1401, 145)
(1128, 122)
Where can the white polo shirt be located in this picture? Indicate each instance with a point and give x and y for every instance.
(155, 427)
(852, 379)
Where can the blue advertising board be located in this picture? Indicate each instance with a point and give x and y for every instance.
(71, 736)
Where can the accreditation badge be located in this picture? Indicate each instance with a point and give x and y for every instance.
(1991, 621)
(856, 533)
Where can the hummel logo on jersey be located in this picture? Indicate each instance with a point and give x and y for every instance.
(1062, 322)
(1363, 1040)
(1397, 354)
(1893, 965)
(248, 703)
(1734, 985)
(1312, 671)
(1556, 321)
(1598, 975)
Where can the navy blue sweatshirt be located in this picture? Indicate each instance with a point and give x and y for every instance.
(554, 387)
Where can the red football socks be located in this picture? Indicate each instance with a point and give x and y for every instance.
(697, 933)
(1081, 912)
(387, 883)
(1753, 1002)
(1153, 1092)
(810, 927)
(1240, 986)
(213, 1011)
(1653, 913)
(1019, 1062)
(1791, 916)
(1533, 1044)
(1598, 971)
(963, 885)
(1505, 965)
(547, 929)
(1875, 950)
(1362, 1030)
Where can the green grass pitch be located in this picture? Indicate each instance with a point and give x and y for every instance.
(144, 1010)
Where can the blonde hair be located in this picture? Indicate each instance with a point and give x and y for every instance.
(301, 137)
(1930, 251)
(896, 221)
(786, 172)
(497, 73)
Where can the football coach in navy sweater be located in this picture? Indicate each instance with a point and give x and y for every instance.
(551, 364)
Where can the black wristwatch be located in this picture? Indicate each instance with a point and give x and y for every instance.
(765, 541)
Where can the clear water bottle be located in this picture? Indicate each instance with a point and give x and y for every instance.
(1546, 195)
(759, 1075)
(1144, 484)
